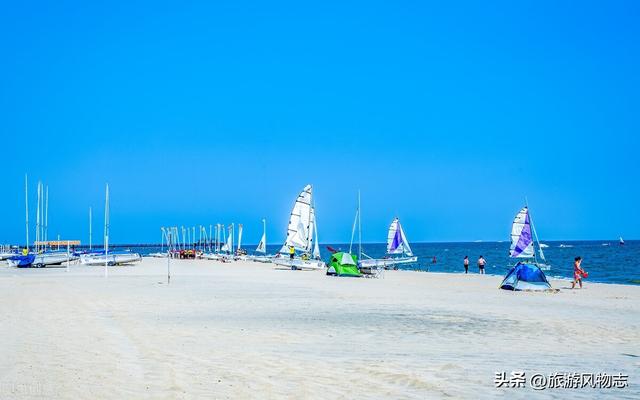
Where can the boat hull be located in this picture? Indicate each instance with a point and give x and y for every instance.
(40, 260)
(4, 256)
(261, 259)
(386, 262)
(109, 259)
(299, 264)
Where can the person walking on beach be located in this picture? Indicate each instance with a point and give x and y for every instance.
(578, 273)
(481, 263)
(292, 252)
(466, 264)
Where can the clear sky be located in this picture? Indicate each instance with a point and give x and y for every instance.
(446, 114)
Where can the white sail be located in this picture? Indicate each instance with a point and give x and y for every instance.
(405, 242)
(397, 242)
(300, 230)
(521, 239)
(262, 246)
(239, 235)
(229, 243)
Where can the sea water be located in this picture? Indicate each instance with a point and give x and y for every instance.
(605, 261)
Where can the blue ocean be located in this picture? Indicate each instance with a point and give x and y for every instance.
(606, 261)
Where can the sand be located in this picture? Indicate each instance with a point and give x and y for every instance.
(247, 330)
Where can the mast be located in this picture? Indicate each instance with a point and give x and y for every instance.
(90, 233)
(353, 227)
(316, 244)
(46, 216)
(535, 234)
(309, 233)
(215, 248)
(359, 229)
(37, 244)
(223, 229)
(210, 238)
(106, 230)
(26, 209)
(264, 234)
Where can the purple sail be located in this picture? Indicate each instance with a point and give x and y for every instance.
(397, 241)
(521, 238)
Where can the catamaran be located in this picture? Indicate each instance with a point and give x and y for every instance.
(398, 250)
(110, 258)
(162, 253)
(302, 235)
(40, 260)
(522, 241)
(106, 257)
(261, 249)
(6, 252)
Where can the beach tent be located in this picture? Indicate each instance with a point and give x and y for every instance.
(525, 277)
(343, 264)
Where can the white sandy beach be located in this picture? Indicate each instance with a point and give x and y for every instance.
(246, 330)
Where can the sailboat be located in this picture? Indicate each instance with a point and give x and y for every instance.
(106, 257)
(302, 235)
(261, 249)
(621, 241)
(7, 252)
(225, 252)
(523, 242)
(41, 256)
(162, 253)
(398, 249)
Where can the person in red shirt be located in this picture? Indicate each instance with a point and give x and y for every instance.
(578, 272)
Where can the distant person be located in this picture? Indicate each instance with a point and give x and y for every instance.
(434, 260)
(466, 264)
(578, 272)
(481, 263)
(292, 252)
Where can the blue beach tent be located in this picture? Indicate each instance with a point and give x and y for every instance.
(525, 277)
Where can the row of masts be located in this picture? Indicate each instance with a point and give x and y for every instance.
(42, 215)
(219, 238)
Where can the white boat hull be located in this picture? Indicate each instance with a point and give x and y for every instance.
(299, 264)
(4, 256)
(42, 260)
(218, 257)
(386, 262)
(261, 259)
(109, 259)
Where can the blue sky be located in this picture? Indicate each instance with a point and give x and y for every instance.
(446, 114)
